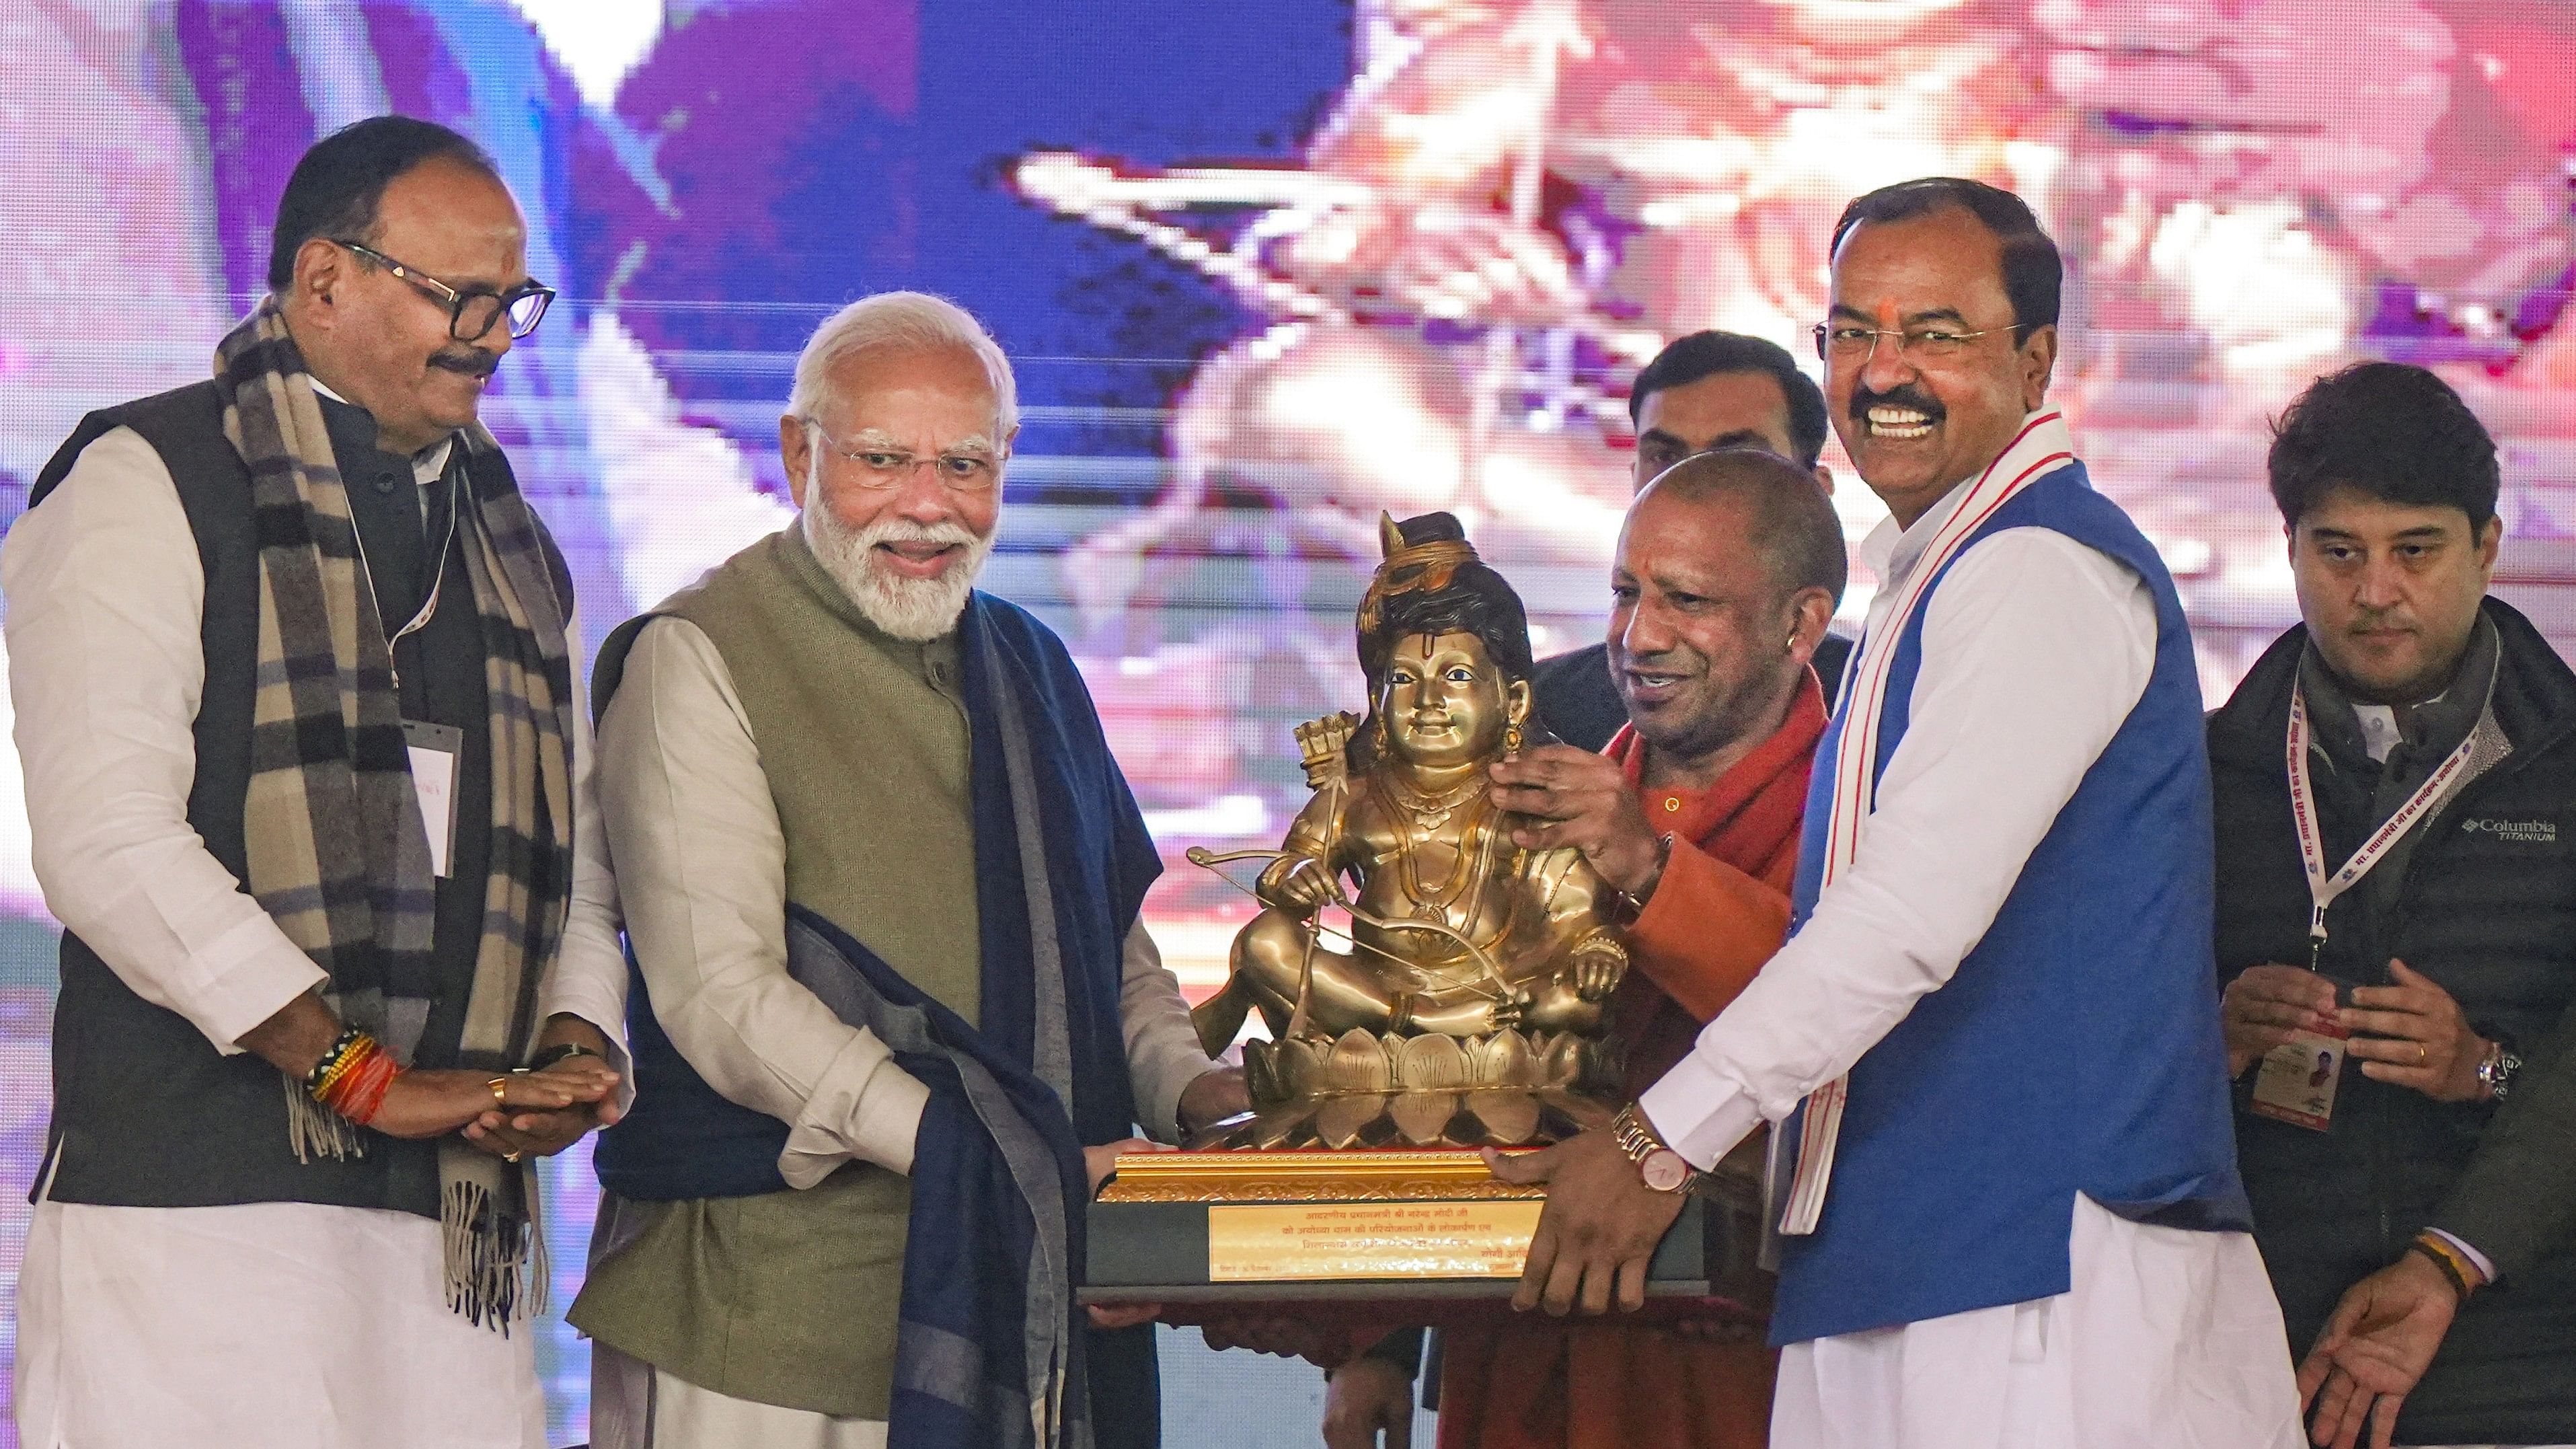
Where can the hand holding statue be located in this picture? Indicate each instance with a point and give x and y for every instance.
(1598, 1231)
(1579, 800)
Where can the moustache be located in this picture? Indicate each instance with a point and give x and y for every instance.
(901, 530)
(472, 362)
(1904, 396)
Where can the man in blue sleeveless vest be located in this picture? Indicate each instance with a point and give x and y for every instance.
(897, 1013)
(2008, 1205)
(304, 762)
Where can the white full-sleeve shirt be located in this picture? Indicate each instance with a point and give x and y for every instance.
(106, 597)
(2035, 650)
(129, 1316)
(702, 867)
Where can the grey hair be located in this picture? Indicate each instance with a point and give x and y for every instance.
(899, 319)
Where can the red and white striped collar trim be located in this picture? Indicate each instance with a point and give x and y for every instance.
(2043, 444)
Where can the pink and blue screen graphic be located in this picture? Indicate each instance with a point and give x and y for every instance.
(1267, 270)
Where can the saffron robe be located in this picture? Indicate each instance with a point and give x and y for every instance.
(1719, 912)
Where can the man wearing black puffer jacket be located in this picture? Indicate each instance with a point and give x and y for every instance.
(2409, 1145)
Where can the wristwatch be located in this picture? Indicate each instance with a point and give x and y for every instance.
(1645, 890)
(2496, 1072)
(1663, 1169)
(561, 1051)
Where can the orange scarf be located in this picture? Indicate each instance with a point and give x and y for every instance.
(1608, 1385)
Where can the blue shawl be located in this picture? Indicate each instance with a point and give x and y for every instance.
(988, 1350)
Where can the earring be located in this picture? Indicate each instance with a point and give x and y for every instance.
(1512, 739)
(1377, 737)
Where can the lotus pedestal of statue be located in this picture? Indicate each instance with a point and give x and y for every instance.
(1429, 987)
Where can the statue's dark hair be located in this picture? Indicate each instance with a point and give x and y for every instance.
(1474, 599)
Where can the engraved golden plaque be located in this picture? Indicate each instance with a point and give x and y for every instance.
(1310, 1242)
(1308, 1217)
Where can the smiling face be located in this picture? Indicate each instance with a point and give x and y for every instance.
(377, 339)
(1917, 425)
(907, 554)
(1701, 635)
(1445, 702)
(2390, 591)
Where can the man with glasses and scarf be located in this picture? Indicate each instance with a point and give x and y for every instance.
(2003, 1176)
(305, 766)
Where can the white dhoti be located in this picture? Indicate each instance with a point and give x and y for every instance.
(634, 1405)
(2167, 1340)
(282, 1325)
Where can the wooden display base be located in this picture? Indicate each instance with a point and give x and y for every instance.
(1421, 1236)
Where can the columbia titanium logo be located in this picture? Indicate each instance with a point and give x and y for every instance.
(2519, 832)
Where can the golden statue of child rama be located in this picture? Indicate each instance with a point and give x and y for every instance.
(1470, 1007)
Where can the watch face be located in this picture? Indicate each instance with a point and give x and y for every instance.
(1664, 1170)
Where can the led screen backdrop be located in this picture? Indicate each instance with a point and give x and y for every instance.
(1268, 269)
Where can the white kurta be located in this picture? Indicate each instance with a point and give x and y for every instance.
(702, 861)
(266, 1323)
(2035, 650)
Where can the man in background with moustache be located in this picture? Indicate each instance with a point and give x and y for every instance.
(2004, 1175)
(1707, 391)
(896, 1012)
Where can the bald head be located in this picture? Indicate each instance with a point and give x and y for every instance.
(1729, 570)
(1784, 516)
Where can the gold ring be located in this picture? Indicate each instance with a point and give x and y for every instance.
(496, 1084)
(2421, 1056)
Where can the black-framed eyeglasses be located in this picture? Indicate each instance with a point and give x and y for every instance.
(471, 311)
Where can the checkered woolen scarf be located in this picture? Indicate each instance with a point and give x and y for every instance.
(338, 853)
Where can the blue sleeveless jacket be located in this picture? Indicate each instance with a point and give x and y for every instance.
(2077, 1049)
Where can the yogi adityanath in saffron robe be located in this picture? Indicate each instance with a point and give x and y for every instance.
(1718, 912)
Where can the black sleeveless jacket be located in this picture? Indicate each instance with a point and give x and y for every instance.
(146, 1112)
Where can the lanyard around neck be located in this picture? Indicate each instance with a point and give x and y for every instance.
(2324, 888)
(437, 575)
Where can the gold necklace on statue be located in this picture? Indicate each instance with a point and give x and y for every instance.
(1431, 811)
(1468, 861)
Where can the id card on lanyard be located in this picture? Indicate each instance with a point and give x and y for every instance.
(2296, 1083)
(432, 748)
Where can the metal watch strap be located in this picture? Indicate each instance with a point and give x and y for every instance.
(2496, 1072)
(1637, 1141)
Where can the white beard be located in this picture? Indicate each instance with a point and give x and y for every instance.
(913, 609)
